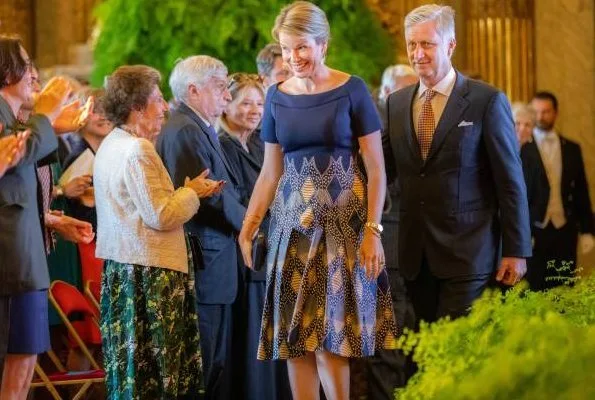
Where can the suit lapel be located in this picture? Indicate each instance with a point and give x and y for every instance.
(216, 147)
(455, 107)
(565, 157)
(537, 156)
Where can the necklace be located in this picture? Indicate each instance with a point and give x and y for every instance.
(129, 130)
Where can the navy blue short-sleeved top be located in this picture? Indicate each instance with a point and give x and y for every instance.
(307, 124)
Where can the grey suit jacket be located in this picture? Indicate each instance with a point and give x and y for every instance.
(466, 205)
(23, 265)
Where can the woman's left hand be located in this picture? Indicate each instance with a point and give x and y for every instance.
(371, 255)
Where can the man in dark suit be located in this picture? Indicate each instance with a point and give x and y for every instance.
(188, 145)
(453, 150)
(559, 203)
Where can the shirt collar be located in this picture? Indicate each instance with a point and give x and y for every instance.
(541, 134)
(444, 87)
(207, 123)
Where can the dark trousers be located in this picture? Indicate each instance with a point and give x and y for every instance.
(554, 256)
(387, 369)
(215, 328)
(434, 298)
(4, 330)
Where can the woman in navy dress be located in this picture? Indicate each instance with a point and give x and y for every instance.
(327, 294)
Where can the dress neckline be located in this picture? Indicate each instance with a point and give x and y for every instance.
(316, 94)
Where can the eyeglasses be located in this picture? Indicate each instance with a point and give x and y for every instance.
(239, 78)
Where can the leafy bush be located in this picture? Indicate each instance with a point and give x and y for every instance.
(157, 33)
(521, 345)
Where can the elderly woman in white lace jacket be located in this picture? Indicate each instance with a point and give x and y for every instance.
(148, 317)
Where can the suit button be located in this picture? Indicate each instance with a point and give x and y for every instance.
(423, 175)
(421, 203)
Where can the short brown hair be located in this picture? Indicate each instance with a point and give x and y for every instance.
(98, 98)
(127, 89)
(12, 65)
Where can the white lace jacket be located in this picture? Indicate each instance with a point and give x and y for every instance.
(139, 214)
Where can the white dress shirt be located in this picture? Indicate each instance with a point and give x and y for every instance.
(203, 119)
(548, 143)
(140, 216)
(443, 90)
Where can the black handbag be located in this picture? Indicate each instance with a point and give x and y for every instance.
(259, 251)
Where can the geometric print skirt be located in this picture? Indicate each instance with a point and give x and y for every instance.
(318, 296)
(149, 327)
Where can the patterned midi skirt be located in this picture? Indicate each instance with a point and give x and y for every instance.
(150, 334)
(318, 297)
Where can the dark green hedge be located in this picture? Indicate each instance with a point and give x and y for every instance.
(157, 33)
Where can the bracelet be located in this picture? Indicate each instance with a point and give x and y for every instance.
(376, 228)
(252, 218)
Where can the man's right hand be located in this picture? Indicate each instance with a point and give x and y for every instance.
(71, 229)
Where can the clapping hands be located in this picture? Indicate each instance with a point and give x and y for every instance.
(202, 186)
(64, 117)
(12, 149)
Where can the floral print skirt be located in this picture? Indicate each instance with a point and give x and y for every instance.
(149, 326)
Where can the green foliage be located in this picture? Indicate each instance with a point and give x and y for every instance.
(157, 33)
(521, 345)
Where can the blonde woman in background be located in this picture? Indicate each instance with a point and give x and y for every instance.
(524, 122)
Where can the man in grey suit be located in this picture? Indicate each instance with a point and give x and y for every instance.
(452, 148)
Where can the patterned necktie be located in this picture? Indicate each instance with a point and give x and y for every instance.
(44, 176)
(426, 124)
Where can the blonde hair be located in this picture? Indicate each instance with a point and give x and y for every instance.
(390, 76)
(302, 18)
(239, 81)
(237, 84)
(520, 109)
(443, 15)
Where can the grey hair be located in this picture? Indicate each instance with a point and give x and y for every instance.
(391, 74)
(443, 15)
(265, 60)
(523, 109)
(194, 70)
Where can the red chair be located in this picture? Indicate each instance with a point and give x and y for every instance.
(93, 293)
(91, 268)
(67, 300)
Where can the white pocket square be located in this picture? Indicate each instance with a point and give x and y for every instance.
(465, 123)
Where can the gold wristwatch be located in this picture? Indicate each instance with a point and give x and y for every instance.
(375, 227)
